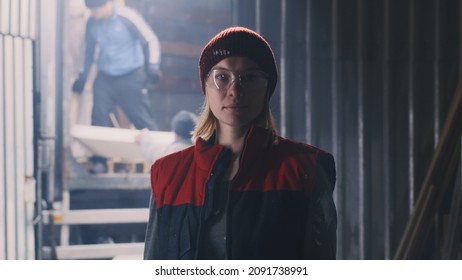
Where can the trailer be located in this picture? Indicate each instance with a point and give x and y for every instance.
(54, 208)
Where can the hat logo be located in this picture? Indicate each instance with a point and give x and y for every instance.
(221, 52)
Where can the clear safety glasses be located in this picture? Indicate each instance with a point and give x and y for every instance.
(222, 79)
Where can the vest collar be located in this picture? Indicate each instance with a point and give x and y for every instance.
(256, 141)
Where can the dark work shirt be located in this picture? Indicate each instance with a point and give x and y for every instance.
(214, 238)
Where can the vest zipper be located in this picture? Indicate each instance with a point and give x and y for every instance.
(215, 172)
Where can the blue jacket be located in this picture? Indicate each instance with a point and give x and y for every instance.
(125, 42)
(280, 202)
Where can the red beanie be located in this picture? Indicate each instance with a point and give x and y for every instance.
(239, 41)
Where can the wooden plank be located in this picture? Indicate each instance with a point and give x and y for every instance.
(100, 251)
(435, 182)
(115, 181)
(98, 216)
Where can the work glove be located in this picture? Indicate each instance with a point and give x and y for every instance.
(79, 84)
(154, 74)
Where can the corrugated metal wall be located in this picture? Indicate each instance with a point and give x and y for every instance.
(371, 82)
(17, 184)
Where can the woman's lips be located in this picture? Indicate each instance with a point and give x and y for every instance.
(235, 107)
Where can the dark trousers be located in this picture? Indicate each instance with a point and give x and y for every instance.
(126, 91)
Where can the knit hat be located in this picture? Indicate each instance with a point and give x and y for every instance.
(183, 123)
(239, 41)
(95, 3)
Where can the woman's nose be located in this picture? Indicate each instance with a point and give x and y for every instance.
(235, 88)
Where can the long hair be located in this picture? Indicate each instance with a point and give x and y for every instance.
(207, 122)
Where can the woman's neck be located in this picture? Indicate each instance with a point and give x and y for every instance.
(232, 138)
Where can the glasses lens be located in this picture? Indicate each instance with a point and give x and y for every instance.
(249, 80)
(222, 79)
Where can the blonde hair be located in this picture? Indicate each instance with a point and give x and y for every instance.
(207, 122)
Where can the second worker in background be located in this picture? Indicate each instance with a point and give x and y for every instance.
(128, 60)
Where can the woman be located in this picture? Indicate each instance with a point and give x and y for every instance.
(242, 192)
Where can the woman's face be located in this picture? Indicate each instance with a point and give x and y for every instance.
(236, 91)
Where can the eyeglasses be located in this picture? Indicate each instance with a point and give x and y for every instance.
(248, 80)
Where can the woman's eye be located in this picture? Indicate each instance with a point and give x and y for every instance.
(222, 77)
(248, 77)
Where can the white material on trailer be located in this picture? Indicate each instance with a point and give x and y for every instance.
(118, 143)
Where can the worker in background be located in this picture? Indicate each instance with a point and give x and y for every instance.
(182, 124)
(128, 60)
